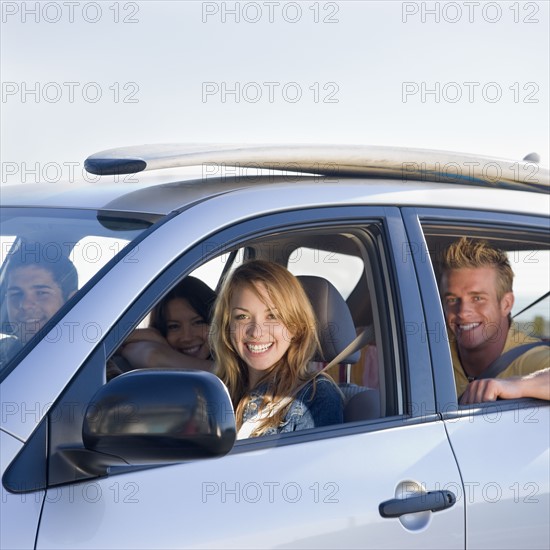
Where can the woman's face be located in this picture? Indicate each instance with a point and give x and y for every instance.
(186, 330)
(257, 334)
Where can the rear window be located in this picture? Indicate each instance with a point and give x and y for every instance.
(342, 270)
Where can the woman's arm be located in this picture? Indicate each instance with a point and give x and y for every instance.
(145, 335)
(146, 354)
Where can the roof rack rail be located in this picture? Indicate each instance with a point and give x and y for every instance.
(330, 160)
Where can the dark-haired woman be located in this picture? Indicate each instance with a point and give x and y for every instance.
(177, 337)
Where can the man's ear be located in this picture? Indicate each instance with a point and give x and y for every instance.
(507, 303)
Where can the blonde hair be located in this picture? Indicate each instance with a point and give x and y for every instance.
(470, 253)
(295, 312)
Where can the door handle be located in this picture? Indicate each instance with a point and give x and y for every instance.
(432, 500)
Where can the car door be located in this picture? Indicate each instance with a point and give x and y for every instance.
(502, 448)
(316, 488)
(20, 513)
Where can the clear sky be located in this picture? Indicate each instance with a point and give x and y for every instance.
(80, 77)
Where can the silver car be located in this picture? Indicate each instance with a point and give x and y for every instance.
(149, 459)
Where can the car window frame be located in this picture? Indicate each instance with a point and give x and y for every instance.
(419, 407)
(416, 218)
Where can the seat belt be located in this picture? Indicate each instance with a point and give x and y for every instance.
(501, 363)
(532, 304)
(357, 343)
(250, 425)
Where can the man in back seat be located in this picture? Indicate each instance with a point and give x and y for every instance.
(491, 358)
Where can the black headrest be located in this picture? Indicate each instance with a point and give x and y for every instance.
(336, 328)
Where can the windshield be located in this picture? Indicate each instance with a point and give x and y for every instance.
(47, 256)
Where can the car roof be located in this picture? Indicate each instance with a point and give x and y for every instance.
(162, 178)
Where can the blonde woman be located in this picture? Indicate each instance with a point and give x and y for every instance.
(263, 338)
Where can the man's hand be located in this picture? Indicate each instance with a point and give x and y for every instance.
(535, 385)
(491, 389)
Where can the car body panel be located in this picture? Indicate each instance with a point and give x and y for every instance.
(148, 195)
(297, 495)
(504, 456)
(20, 513)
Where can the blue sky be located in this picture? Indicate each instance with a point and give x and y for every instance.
(82, 77)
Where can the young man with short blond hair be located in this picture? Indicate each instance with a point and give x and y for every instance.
(476, 291)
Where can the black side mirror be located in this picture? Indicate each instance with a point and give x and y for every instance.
(156, 416)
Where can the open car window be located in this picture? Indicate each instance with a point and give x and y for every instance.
(528, 251)
(350, 259)
(529, 255)
(531, 284)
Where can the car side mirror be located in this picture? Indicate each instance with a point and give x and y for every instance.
(159, 416)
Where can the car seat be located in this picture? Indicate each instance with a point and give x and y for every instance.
(336, 331)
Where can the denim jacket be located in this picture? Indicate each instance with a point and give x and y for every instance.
(307, 410)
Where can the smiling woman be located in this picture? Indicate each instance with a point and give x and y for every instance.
(264, 339)
(177, 337)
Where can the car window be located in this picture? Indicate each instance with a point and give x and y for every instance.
(212, 271)
(92, 252)
(356, 271)
(529, 257)
(342, 270)
(528, 252)
(6, 244)
(531, 282)
(47, 257)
